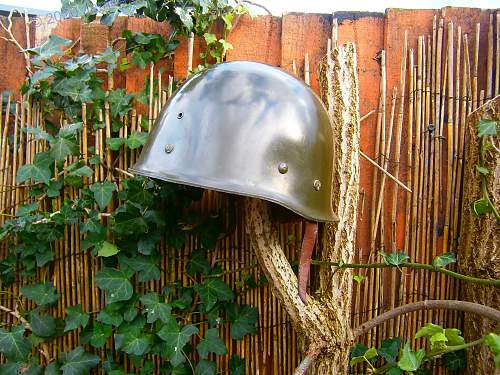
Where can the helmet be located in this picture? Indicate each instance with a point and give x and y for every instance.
(246, 128)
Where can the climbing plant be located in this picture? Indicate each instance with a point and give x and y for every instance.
(121, 221)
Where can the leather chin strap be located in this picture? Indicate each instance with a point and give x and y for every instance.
(311, 232)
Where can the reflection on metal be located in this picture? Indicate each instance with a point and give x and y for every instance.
(240, 120)
(317, 185)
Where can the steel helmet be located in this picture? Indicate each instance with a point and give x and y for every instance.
(246, 128)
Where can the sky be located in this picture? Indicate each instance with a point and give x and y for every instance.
(277, 7)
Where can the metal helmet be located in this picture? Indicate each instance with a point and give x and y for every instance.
(246, 128)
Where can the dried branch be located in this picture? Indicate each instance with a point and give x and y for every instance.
(11, 38)
(385, 171)
(469, 307)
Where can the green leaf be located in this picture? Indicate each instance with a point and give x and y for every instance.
(486, 127)
(42, 325)
(359, 278)
(211, 343)
(428, 330)
(482, 170)
(444, 259)
(370, 353)
(70, 130)
(35, 172)
(120, 102)
(50, 48)
(438, 341)
(394, 259)
(455, 361)
(115, 143)
(74, 88)
(100, 334)
(110, 316)
(134, 342)
(243, 319)
(175, 340)
(356, 360)
(107, 249)
(358, 350)
(63, 147)
(389, 349)
(155, 309)
(136, 140)
(185, 17)
(213, 290)
(394, 371)
(481, 207)
(78, 362)
(147, 266)
(210, 38)
(39, 133)
(198, 263)
(205, 367)
(83, 172)
(237, 365)
(410, 360)
(103, 193)
(115, 283)
(41, 293)
(75, 318)
(13, 344)
(492, 340)
(454, 336)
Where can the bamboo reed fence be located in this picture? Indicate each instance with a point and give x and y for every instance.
(419, 138)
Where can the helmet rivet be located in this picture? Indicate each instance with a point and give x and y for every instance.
(169, 148)
(317, 185)
(179, 115)
(283, 168)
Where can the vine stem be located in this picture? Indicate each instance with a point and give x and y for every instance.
(470, 307)
(16, 315)
(415, 266)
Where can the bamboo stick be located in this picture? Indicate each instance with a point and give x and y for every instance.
(190, 53)
(307, 78)
(475, 67)
(151, 88)
(489, 61)
(449, 137)
(497, 56)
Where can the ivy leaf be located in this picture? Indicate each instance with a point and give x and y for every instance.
(213, 290)
(52, 368)
(389, 349)
(482, 170)
(100, 334)
(211, 343)
(74, 88)
(134, 342)
(410, 360)
(454, 336)
(366, 356)
(115, 283)
(359, 278)
(146, 266)
(455, 361)
(205, 367)
(395, 371)
(103, 192)
(13, 344)
(41, 293)
(107, 249)
(444, 259)
(492, 340)
(83, 172)
(237, 365)
(438, 341)
(115, 143)
(136, 140)
(48, 49)
(109, 315)
(175, 340)
(394, 259)
(429, 330)
(37, 173)
(75, 318)
(198, 263)
(481, 206)
(42, 325)
(243, 319)
(185, 17)
(78, 362)
(210, 38)
(70, 130)
(63, 147)
(156, 309)
(486, 127)
(120, 102)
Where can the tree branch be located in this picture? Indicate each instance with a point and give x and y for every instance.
(311, 354)
(469, 307)
(415, 266)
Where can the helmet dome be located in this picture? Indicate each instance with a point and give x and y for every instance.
(250, 129)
